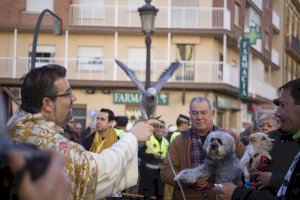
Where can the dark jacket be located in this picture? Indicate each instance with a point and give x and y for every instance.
(180, 156)
(89, 139)
(282, 153)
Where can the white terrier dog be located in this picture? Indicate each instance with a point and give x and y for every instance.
(257, 151)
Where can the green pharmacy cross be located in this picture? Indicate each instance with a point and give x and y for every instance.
(253, 34)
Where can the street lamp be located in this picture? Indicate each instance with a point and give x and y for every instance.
(57, 25)
(148, 13)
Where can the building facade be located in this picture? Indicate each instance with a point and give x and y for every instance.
(292, 40)
(203, 35)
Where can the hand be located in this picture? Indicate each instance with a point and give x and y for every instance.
(52, 185)
(263, 179)
(225, 192)
(202, 182)
(143, 130)
(157, 156)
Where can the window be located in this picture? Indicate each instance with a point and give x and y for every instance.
(38, 6)
(79, 114)
(237, 9)
(44, 55)
(254, 18)
(185, 53)
(220, 72)
(266, 39)
(137, 58)
(267, 73)
(90, 58)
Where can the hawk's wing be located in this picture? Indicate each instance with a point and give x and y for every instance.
(131, 75)
(164, 77)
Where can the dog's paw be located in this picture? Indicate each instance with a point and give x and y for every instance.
(186, 176)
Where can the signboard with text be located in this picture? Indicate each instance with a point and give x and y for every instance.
(135, 98)
(244, 68)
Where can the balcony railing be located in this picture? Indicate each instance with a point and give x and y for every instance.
(106, 69)
(275, 57)
(127, 16)
(262, 88)
(275, 20)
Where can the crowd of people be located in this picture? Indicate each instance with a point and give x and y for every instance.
(102, 161)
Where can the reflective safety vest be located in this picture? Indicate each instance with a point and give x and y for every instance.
(119, 132)
(156, 147)
(174, 135)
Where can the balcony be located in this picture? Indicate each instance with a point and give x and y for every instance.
(106, 69)
(275, 20)
(275, 57)
(295, 44)
(167, 17)
(262, 88)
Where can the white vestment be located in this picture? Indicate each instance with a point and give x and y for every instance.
(92, 176)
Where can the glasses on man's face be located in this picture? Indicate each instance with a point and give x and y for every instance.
(68, 94)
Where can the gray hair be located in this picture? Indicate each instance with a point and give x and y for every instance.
(199, 100)
(264, 117)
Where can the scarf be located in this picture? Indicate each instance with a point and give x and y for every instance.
(99, 143)
(282, 190)
(197, 152)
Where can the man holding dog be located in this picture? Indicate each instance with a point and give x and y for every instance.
(288, 112)
(186, 151)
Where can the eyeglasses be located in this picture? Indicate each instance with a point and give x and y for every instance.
(68, 94)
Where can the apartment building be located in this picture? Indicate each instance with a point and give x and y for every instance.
(292, 40)
(203, 35)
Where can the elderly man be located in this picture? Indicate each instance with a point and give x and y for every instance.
(186, 151)
(47, 100)
(285, 153)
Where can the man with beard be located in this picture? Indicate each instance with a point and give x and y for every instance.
(47, 100)
(284, 169)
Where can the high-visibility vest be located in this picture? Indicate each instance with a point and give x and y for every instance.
(119, 132)
(174, 135)
(154, 146)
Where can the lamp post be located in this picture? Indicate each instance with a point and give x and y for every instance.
(148, 13)
(57, 23)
